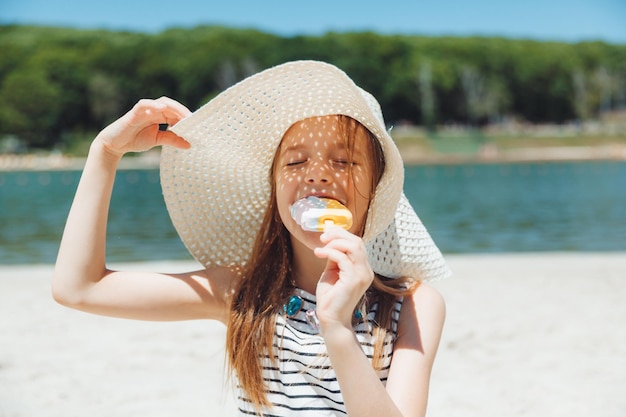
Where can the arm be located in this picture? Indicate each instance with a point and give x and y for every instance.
(406, 392)
(419, 331)
(81, 279)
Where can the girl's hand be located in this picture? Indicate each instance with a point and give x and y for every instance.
(138, 130)
(346, 278)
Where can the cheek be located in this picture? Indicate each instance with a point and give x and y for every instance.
(362, 180)
(285, 180)
(342, 179)
(286, 183)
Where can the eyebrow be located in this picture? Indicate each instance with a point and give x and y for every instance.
(292, 148)
(357, 151)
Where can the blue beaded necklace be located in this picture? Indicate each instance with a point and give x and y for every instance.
(294, 305)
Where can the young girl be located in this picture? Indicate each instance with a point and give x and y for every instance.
(319, 323)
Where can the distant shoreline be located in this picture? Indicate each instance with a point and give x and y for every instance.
(412, 156)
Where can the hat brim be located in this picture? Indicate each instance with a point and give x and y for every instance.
(217, 191)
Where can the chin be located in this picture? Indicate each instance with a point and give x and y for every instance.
(302, 237)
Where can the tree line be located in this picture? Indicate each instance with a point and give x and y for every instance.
(57, 84)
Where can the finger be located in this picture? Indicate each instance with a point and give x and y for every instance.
(351, 247)
(334, 232)
(328, 279)
(170, 138)
(337, 259)
(160, 111)
(173, 112)
(343, 238)
(175, 106)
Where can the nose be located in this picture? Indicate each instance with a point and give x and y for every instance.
(318, 172)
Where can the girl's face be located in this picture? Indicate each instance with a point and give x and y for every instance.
(314, 159)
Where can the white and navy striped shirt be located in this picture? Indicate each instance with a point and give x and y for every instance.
(302, 383)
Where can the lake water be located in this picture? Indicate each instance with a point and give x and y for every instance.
(469, 208)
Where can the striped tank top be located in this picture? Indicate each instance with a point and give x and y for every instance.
(302, 382)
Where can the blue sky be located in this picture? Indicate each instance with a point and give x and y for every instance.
(560, 20)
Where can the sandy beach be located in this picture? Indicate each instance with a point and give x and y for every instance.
(540, 335)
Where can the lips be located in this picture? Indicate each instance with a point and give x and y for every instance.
(331, 197)
(314, 214)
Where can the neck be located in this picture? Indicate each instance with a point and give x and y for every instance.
(307, 267)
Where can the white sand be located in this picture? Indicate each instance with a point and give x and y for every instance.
(527, 335)
(533, 335)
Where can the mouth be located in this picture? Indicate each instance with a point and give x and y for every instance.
(323, 196)
(314, 212)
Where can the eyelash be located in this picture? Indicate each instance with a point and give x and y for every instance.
(343, 162)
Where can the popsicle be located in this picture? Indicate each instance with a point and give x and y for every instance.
(315, 213)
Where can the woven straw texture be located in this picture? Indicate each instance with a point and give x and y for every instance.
(217, 191)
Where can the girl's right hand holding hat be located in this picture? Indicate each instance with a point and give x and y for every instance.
(138, 130)
(81, 278)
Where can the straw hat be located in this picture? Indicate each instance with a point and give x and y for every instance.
(217, 191)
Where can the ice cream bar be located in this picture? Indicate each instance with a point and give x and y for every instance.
(315, 213)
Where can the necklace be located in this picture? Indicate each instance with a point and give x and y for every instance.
(294, 305)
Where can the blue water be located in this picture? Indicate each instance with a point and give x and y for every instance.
(467, 208)
(522, 207)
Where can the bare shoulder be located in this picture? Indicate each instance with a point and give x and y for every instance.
(222, 281)
(422, 317)
(426, 296)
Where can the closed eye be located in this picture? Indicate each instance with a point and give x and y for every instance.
(343, 162)
(296, 162)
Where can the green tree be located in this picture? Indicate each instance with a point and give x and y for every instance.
(28, 107)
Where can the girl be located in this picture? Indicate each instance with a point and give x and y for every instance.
(327, 323)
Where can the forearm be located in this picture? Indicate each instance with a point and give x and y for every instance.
(363, 392)
(82, 252)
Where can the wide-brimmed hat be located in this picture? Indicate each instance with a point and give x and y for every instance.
(217, 191)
